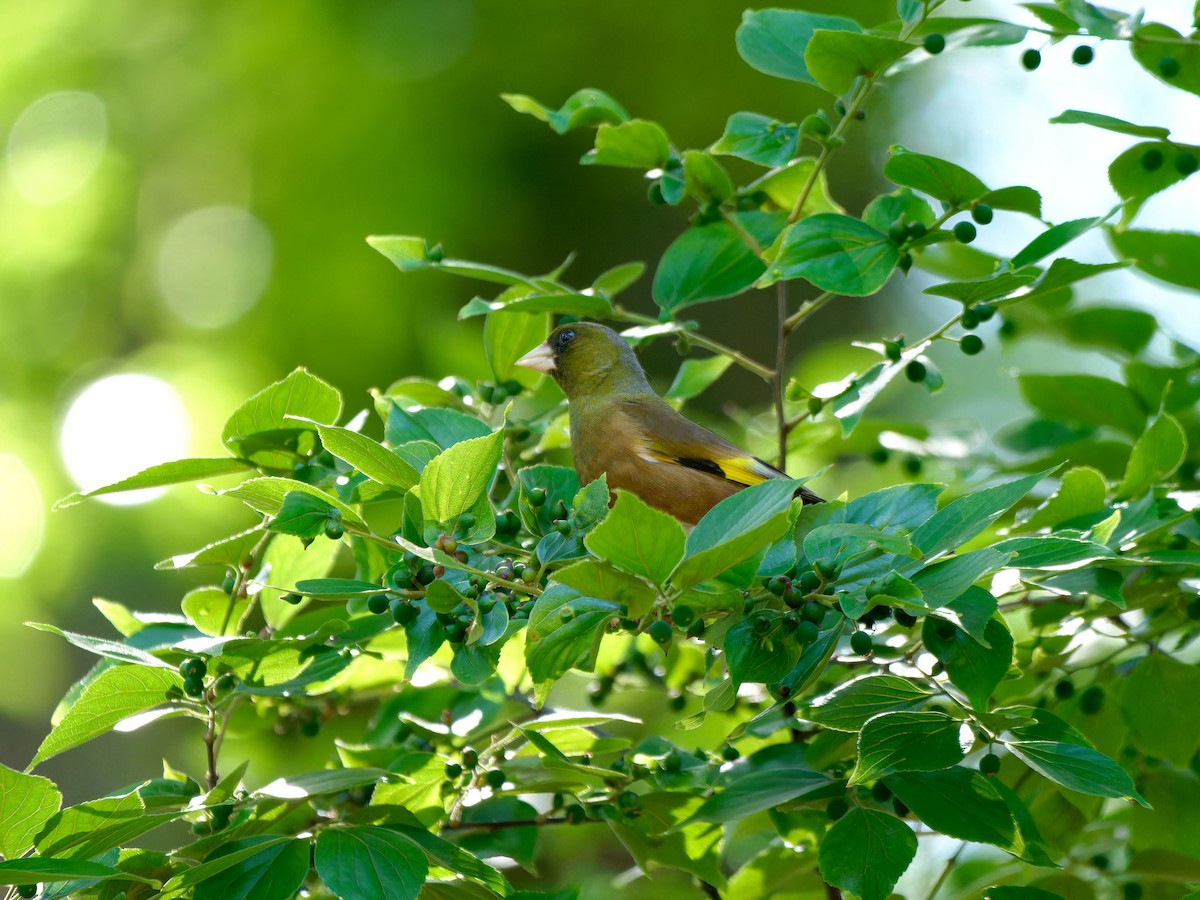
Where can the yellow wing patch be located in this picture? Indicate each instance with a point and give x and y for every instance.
(745, 470)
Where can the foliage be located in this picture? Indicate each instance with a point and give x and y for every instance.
(1001, 669)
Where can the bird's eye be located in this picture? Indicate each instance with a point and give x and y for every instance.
(565, 337)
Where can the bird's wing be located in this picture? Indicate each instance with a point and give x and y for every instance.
(670, 437)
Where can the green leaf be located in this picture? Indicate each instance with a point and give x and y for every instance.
(1135, 182)
(516, 842)
(865, 852)
(507, 335)
(959, 803)
(758, 139)
(1155, 699)
(370, 863)
(338, 588)
(34, 870)
(734, 530)
(1077, 768)
(785, 185)
(695, 375)
(213, 611)
(850, 705)
(596, 578)
(704, 178)
(454, 858)
(836, 58)
(759, 658)
(285, 564)
(708, 262)
(1018, 892)
(458, 478)
(266, 495)
(1171, 256)
(370, 457)
(899, 206)
(1081, 492)
(180, 471)
(974, 669)
(907, 742)
(407, 253)
(900, 508)
(94, 827)
(219, 861)
(113, 695)
(274, 872)
(774, 41)
(638, 539)
(962, 519)
(835, 253)
(226, 552)
(618, 278)
(1053, 239)
(561, 302)
(938, 178)
(1110, 327)
(1108, 123)
(26, 803)
(585, 107)
(443, 427)
(944, 582)
(303, 515)
(258, 428)
(563, 632)
(1051, 552)
(1017, 198)
(636, 144)
(1090, 399)
(1154, 41)
(752, 792)
(106, 648)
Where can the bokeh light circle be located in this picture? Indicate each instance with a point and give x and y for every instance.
(119, 425)
(213, 265)
(24, 518)
(56, 145)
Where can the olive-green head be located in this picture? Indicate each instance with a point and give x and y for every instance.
(587, 360)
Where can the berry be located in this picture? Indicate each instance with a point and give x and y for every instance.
(1132, 890)
(970, 319)
(495, 779)
(861, 643)
(808, 581)
(1082, 55)
(628, 800)
(729, 753)
(881, 792)
(837, 808)
(898, 232)
(807, 632)
(1186, 163)
(762, 625)
(677, 702)
(791, 621)
(1065, 689)
(982, 213)
(378, 603)
(683, 616)
(1091, 700)
(425, 574)
(892, 350)
(402, 611)
(225, 684)
(193, 687)
(1152, 159)
(193, 667)
(970, 344)
(470, 758)
(905, 620)
(537, 497)
(777, 585)
(311, 728)
(913, 465)
(813, 612)
(989, 764)
(905, 262)
(671, 762)
(455, 633)
(1168, 66)
(334, 530)
(659, 631)
(1031, 59)
(574, 814)
(28, 890)
(944, 630)
(827, 569)
(964, 232)
(915, 371)
(900, 808)
(985, 311)
(453, 770)
(916, 231)
(880, 455)
(696, 629)
(934, 43)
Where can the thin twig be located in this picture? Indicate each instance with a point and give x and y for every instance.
(937, 885)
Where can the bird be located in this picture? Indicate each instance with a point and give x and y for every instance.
(622, 429)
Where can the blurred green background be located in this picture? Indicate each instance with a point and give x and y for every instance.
(185, 193)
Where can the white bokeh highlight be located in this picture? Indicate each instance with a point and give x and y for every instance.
(56, 145)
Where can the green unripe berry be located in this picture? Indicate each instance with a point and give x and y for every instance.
(807, 632)
(683, 616)
(989, 764)
(378, 603)
(761, 624)
(1168, 66)
(904, 619)
(334, 530)
(1186, 163)
(575, 814)
(1091, 700)
(892, 350)
(677, 702)
(964, 232)
(453, 770)
(904, 263)
(193, 667)
(470, 758)
(27, 890)
(671, 762)
(224, 684)
(934, 43)
(1082, 55)
(915, 371)
(898, 232)
(495, 779)
(837, 808)
(861, 643)
(777, 585)
(1065, 689)
(982, 213)
(970, 319)
(916, 231)
(1152, 159)
(562, 526)
(913, 465)
(426, 574)
(813, 612)
(659, 631)
(696, 629)
(880, 455)
(1132, 890)
(193, 687)
(1031, 59)
(455, 632)
(827, 569)
(537, 497)
(402, 612)
(880, 792)
(310, 728)
(791, 621)
(729, 753)
(628, 800)
(970, 344)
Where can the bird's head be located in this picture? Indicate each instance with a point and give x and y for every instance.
(587, 359)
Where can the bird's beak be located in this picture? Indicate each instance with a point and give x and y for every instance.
(540, 359)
